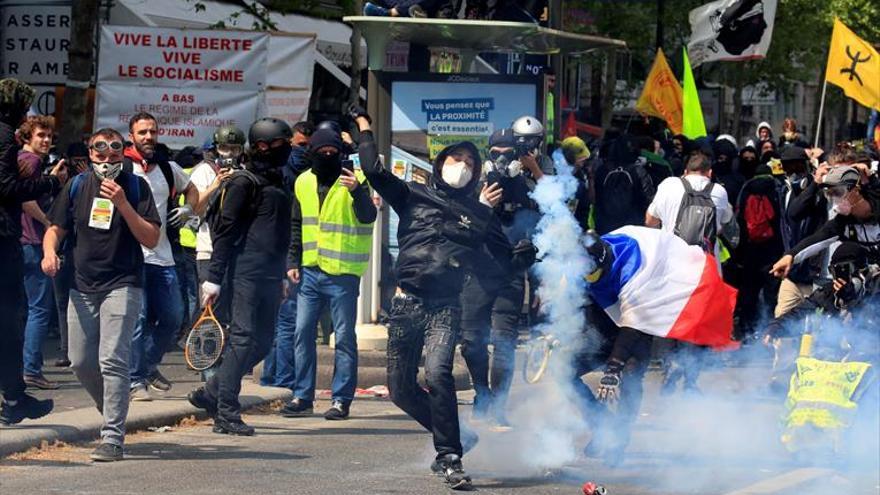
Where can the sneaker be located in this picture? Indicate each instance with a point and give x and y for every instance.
(26, 407)
(62, 363)
(238, 427)
(140, 393)
(107, 452)
(298, 408)
(40, 382)
(500, 423)
(449, 466)
(338, 411)
(158, 382)
(199, 398)
(373, 10)
(416, 11)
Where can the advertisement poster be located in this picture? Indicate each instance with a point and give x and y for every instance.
(33, 43)
(427, 116)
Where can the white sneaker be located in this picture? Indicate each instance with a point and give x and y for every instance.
(140, 393)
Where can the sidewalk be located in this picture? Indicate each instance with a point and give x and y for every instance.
(75, 418)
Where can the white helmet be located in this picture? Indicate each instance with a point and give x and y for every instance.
(528, 133)
(107, 170)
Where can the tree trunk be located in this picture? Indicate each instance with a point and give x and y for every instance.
(354, 90)
(609, 87)
(80, 58)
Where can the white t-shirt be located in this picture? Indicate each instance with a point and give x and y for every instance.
(202, 177)
(161, 256)
(667, 202)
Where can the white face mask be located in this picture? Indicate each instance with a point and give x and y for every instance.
(456, 174)
(107, 170)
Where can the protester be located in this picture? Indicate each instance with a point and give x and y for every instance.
(724, 166)
(623, 187)
(853, 193)
(279, 366)
(250, 238)
(790, 134)
(331, 240)
(162, 310)
(492, 297)
(697, 210)
(764, 133)
(748, 163)
(15, 99)
(112, 213)
(442, 227)
(576, 154)
(679, 155)
(36, 133)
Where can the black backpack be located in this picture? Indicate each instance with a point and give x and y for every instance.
(618, 200)
(696, 217)
(215, 201)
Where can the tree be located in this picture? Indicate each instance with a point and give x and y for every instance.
(80, 57)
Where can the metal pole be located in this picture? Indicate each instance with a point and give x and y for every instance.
(821, 111)
(659, 35)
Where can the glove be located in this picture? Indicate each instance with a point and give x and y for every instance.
(609, 384)
(354, 111)
(524, 253)
(15, 99)
(179, 216)
(210, 292)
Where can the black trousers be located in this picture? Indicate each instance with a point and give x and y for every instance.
(612, 429)
(415, 324)
(13, 316)
(254, 306)
(490, 312)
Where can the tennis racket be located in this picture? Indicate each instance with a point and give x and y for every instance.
(205, 342)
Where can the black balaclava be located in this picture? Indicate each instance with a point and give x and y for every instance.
(325, 167)
(747, 167)
(724, 152)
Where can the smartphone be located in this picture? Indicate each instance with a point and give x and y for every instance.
(348, 164)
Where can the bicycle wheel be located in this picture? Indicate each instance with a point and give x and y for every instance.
(537, 357)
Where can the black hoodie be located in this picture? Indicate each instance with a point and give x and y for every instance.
(441, 228)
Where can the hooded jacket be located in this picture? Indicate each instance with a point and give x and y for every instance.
(441, 228)
(724, 172)
(758, 131)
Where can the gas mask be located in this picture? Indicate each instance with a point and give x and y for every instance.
(505, 163)
(228, 156)
(107, 170)
(841, 200)
(456, 175)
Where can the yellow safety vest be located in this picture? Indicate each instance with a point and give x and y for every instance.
(332, 237)
(187, 235)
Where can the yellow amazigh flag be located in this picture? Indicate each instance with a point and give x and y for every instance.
(854, 65)
(661, 96)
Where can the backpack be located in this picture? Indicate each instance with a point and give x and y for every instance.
(617, 200)
(759, 215)
(696, 216)
(215, 201)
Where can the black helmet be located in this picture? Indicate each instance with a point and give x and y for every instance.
(600, 253)
(329, 124)
(269, 129)
(229, 134)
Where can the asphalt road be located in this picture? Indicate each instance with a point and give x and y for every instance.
(713, 444)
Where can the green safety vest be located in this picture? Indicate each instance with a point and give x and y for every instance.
(187, 235)
(332, 237)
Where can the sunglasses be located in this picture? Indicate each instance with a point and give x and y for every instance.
(104, 146)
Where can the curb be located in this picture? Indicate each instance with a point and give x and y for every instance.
(82, 425)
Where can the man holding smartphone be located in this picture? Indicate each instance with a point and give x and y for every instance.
(332, 233)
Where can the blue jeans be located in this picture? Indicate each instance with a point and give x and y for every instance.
(341, 291)
(39, 296)
(278, 369)
(160, 318)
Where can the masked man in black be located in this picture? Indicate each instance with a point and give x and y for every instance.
(442, 228)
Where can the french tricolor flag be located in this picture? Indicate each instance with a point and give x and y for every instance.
(660, 285)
